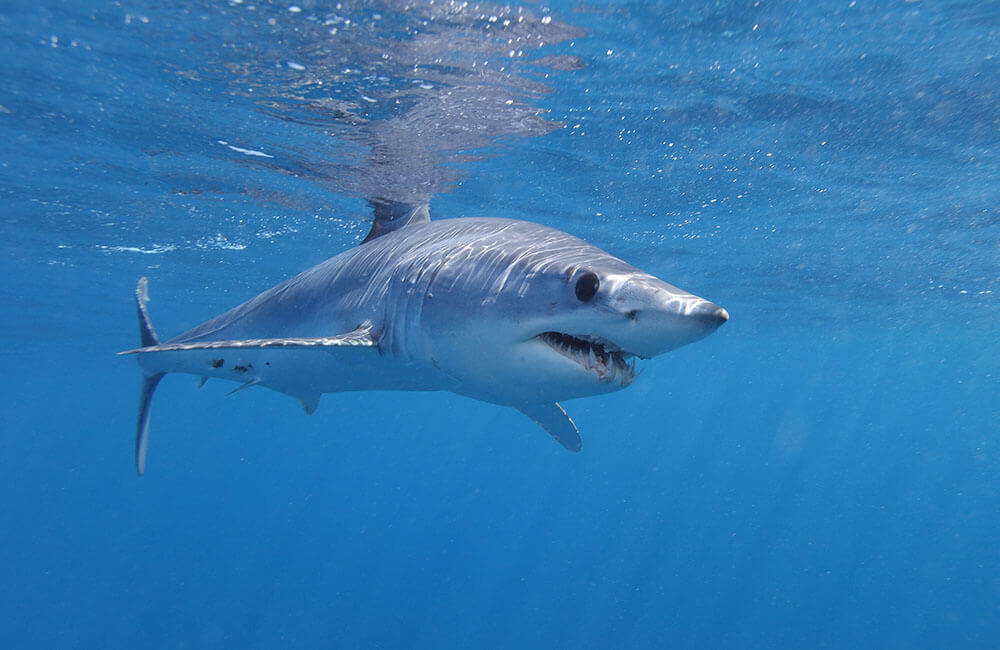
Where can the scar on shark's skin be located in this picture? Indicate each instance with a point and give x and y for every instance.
(522, 315)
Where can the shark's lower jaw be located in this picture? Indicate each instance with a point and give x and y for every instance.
(599, 356)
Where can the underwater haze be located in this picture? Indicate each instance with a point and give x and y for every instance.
(822, 472)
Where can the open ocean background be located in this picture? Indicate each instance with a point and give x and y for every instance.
(821, 472)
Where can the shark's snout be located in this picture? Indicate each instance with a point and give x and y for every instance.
(663, 316)
(709, 314)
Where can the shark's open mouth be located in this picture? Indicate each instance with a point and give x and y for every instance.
(609, 361)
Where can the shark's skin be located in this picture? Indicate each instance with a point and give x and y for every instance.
(504, 311)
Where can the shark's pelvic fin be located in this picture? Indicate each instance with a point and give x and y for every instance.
(309, 402)
(360, 337)
(393, 215)
(554, 419)
(149, 383)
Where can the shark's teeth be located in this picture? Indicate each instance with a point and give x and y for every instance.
(594, 354)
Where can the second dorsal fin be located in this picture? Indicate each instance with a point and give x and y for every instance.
(393, 215)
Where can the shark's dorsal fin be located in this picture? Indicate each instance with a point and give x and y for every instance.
(393, 215)
(554, 419)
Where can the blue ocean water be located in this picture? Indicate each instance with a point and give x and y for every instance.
(821, 472)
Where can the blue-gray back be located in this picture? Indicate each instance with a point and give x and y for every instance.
(475, 256)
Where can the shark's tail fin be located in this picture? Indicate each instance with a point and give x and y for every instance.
(147, 337)
(149, 383)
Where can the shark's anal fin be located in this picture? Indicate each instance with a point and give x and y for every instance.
(553, 419)
(361, 337)
(393, 215)
(149, 383)
(246, 384)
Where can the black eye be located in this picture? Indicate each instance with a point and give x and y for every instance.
(586, 286)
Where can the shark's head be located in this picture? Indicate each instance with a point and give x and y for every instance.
(611, 317)
(555, 319)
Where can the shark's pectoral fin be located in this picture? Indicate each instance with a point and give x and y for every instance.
(553, 419)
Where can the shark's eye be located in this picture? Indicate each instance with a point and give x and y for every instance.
(586, 286)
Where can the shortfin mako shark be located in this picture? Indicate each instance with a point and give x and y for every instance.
(503, 311)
